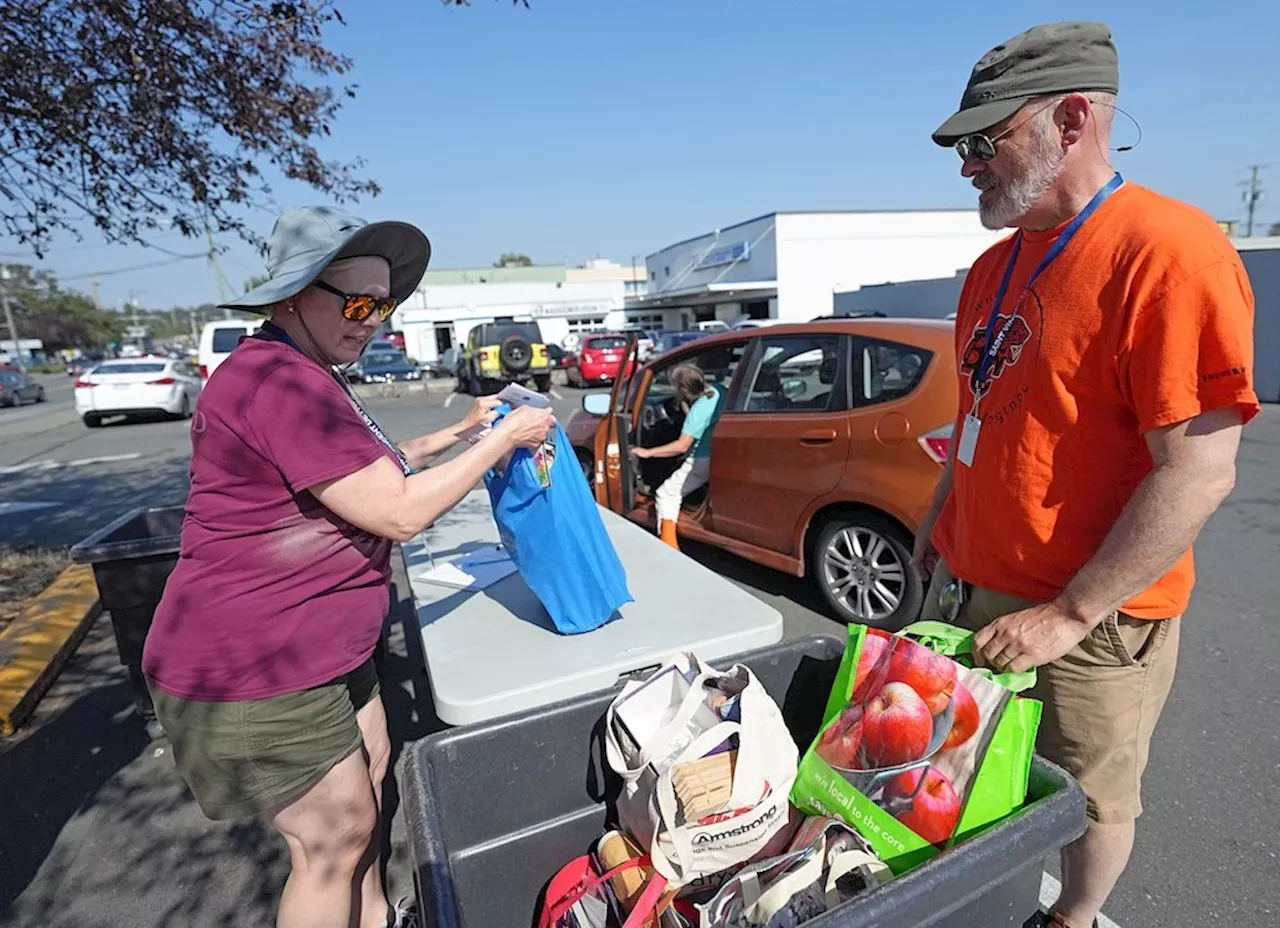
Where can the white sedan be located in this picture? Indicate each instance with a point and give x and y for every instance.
(137, 386)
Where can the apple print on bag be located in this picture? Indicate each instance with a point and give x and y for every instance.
(907, 742)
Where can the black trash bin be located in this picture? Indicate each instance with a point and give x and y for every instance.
(495, 809)
(132, 558)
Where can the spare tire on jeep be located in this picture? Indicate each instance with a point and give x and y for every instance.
(516, 353)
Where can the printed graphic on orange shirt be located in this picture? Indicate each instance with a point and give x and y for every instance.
(1016, 336)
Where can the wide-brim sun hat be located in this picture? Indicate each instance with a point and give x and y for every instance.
(305, 241)
(1054, 58)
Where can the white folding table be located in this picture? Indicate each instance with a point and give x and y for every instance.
(493, 651)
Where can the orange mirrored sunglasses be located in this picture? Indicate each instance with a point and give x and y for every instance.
(359, 306)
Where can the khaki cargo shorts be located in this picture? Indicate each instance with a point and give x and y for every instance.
(1101, 700)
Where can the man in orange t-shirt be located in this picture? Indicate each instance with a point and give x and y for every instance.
(1105, 356)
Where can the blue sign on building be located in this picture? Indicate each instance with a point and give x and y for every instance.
(725, 254)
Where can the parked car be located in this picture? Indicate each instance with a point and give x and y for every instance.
(18, 387)
(666, 339)
(383, 367)
(559, 357)
(824, 461)
(599, 359)
(504, 351)
(217, 339)
(146, 386)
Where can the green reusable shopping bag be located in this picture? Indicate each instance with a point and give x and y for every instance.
(880, 796)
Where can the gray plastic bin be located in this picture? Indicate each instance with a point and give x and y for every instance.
(132, 558)
(495, 809)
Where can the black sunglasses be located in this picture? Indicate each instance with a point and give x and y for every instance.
(982, 146)
(359, 306)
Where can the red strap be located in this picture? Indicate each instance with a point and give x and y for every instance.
(555, 910)
(647, 904)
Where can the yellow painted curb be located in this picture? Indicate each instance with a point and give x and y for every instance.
(37, 643)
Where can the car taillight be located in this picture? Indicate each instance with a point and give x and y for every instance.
(204, 371)
(937, 444)
(162, 382)
(82, 383)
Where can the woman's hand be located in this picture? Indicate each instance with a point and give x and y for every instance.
(640, 453)
(481, 412)
(526, 427)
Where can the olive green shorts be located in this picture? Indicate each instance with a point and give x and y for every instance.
(249, 758)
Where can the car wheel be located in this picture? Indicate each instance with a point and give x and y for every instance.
(92, 420)
(40, 396)
(862, 564)
(543, 383)
(516, 354)
(184, 411)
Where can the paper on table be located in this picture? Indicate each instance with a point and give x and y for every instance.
(475, 571)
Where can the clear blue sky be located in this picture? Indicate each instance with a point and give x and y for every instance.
(580, 128)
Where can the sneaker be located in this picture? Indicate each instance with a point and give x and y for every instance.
(1046, 920)
(403, 913)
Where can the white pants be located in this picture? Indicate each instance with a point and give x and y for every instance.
(691, 474)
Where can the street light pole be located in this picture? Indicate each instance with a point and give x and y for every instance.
(8, 315)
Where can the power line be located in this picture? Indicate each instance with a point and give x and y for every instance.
(137, 267)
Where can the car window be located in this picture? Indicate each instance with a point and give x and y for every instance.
(717, 365)
(11, 378)
(125, 367)
(495, 333)
(381, 358)
(795, 373)
(887, 371)
(224, 339)
(605, 343)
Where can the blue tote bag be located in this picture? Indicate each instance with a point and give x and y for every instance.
(555, 537)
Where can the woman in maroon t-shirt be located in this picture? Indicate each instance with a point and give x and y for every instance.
(259, 659)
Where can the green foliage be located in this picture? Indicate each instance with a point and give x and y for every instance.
(59, 318)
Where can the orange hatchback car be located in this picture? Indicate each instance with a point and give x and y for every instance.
(824, 460)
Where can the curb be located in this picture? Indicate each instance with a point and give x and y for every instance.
(35, 646)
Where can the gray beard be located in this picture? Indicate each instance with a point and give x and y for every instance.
(1020, 195)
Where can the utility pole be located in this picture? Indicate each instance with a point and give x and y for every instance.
(1252, 196)
(97, 299)
(8, 316)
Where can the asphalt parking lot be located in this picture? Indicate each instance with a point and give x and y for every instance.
(98, 834)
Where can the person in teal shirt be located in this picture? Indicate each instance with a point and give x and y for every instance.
(702, 403)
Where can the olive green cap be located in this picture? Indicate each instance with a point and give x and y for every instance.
(1049, 59)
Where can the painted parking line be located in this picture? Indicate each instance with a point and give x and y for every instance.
(449, 400)
(7, 509)
(555, 394)
(54, 465)
(1050, 889)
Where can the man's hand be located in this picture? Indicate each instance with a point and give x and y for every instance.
(1030, 638)
(639, 452)
(481, 412)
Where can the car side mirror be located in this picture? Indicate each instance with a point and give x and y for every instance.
(596, 404)
(793, 388)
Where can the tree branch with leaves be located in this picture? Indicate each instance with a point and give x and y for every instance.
(134, 117)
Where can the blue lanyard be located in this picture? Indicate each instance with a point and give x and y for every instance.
(273, 332)
(994, 343)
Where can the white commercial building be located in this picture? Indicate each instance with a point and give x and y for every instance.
(788, 265)
(449, 303)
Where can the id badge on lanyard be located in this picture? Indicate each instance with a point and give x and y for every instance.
(971, 428)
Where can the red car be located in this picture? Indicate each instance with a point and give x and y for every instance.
(598, 360)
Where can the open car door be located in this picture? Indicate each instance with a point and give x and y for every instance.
(615, 484)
